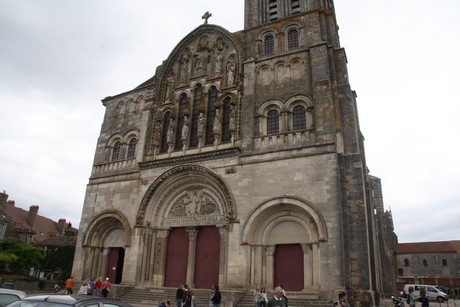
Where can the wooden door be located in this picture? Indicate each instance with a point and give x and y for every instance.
(207, 257)
(176, 258)
(289, 267)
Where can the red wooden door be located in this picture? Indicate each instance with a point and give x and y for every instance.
(115, 264)
(207, 257)
(289, 268)
(176, 258)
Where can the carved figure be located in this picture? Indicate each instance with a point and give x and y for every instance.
(232, 118)
(185, 64)
(216, 128)
(170, 86)
(230, 74)
(185, 128)
(217, 68)
(170, 133)
(200, 131)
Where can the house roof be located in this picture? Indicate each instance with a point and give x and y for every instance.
(429, 247)
(43, 227)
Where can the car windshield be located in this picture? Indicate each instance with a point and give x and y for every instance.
(37, 304)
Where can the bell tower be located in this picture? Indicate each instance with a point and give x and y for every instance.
(259, 12)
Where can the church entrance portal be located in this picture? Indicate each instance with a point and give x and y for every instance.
(115, 264)
(206, 255)
(289, 267)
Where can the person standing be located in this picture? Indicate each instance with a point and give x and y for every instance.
(256, 296)
(98, 286)
(106, 287)
(278, 300)
(179, 296)
(69, 285)
(263, 298)
(90, 287)
(412, 298)
(216, 297)
(423, 298)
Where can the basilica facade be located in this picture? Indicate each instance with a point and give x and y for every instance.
(239, 163)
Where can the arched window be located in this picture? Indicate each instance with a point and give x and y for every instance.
(299, 120)
(400, 272)
(273, 123)
(132, 148)
(293, 39)
(425, 263)
(180, 121)
(269, 45)
(195, 115)
(116, 153)
(164, 134)
(227, 111)
(444, 262)
(210, 115)
(406, 262)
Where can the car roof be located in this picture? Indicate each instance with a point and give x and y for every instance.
(75, 300)
(19, 293)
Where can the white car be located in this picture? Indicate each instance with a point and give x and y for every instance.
(433, 293)
(8, 296)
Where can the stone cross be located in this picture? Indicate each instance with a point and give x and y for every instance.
(206, 17)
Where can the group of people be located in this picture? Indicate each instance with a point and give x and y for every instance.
(96, 287)
(412, 299)
(278, 300)
(186, 298)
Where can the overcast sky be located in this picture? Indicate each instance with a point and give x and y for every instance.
(59, 58)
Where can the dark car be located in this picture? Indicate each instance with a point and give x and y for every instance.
(7, 296)
(60, 300)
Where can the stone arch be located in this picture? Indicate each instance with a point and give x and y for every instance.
(264, 223)
(103, 226)
(188, 195)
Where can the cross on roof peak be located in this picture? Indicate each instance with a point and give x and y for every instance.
(206, 16)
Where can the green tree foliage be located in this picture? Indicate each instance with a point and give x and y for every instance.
(5, 260)
(59, 258)
(28, 255)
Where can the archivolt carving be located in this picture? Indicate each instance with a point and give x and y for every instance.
(186, 196)
(103, 224)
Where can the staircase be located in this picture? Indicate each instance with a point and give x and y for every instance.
(152, 297)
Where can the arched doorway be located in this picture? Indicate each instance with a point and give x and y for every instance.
(289, 267)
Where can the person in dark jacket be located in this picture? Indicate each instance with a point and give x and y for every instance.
(180, 296)
(216, 297)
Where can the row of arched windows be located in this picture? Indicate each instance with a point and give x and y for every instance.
(424, 262)
(127, 108)
(121, 148)
(275, 117)
(199, 122)
(291, 42)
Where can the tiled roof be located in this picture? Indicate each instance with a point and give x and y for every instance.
(429, 247)
(44, 227)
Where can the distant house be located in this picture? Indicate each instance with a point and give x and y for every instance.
(433, 263)
(31, 227)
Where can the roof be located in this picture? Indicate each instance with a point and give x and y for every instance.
(44, 228)
(429, 247)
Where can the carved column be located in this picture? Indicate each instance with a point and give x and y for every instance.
(223, 231)
(192, 233)
(315, 264)
(270, 253)
(104, 262)
(160, 258)
(308, 267)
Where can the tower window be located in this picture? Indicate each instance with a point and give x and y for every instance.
(132, 148)
(164, 135)
(295, 6)
(269, 45)
(273, 10)
(195, 116)
(293, 39)
(116, 152)
(227, 110)
(299, 120)
(273, 123)
(180, 121)
(210, 115)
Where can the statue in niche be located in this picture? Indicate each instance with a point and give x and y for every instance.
(170, 86)
(185, 128)
(230, 73)
(218, 65)
(185, 64)
(200, 131)
(217, 127)
(170, 133)
(198, 65)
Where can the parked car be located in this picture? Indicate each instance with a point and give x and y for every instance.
(62, 300)
(7, 296)
(432, 292)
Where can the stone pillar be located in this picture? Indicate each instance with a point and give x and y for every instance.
(223, 231)
(104, 262)
(316, 265)
(192, 233)
(160, 258)
(308, 267)
(269, 268)
(151, 267)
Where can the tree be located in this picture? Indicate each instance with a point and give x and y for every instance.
(27, 255)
